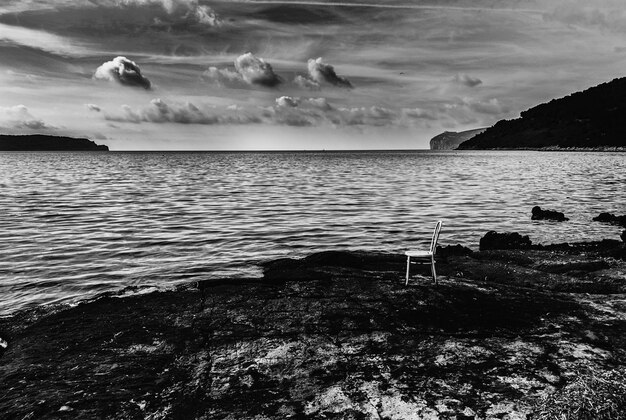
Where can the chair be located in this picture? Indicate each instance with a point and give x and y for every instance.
(425, 256)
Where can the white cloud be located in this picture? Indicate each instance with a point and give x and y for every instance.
(321, 72)
(321, 103)
(177, 12)
(19, 117)
(181, 113)
(123, 71)
(255, 70)
(223, 77)
(250, 70)
(287, 101)
(305, 83)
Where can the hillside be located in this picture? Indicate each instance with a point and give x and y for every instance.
(593, 118)
(41, 142)
(450, 140)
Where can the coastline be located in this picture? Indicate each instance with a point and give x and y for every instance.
(514, 332)
(556, 149)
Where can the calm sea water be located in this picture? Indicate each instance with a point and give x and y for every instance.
(74, 225)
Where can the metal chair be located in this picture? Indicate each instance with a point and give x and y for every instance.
(424, 256)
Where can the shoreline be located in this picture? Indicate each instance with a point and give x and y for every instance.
(337, 335)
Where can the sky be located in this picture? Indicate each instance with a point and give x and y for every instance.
(294, 75)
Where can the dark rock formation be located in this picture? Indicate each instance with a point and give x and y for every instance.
(505, 334)
(41, 142)
(623, 236)
(450, 140)
(495, 240)
(539, 214)
(453, 251)
(589, 119)
(611, 218)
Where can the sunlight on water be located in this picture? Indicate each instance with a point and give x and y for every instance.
(78, 224)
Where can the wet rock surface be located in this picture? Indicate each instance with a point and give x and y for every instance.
(517, 333)
(539, 214)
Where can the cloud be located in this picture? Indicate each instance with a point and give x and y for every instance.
(223, 77)
(321, 103)
(181, 113)
(305, 83)
(182, 10)
(491, 106)
(604, 14)
(19, 117)
(467, 80)
(249, 70)
(124, 71)
(481, 106)
(419, 114)
(321, 72)
(287, 101)
(255, 70)
(318, 111)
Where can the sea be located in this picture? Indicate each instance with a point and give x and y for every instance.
(74, 225)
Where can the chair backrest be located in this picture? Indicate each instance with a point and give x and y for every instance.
(433, 242)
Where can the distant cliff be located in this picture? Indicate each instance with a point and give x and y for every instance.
(450, 140)
(40, 142)
(593, 118)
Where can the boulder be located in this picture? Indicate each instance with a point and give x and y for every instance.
(611, 218)
(507, 240)
(539, 214)
(457, 250)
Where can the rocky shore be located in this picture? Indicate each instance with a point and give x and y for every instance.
(530, 333)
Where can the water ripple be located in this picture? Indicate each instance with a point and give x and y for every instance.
(76, 225)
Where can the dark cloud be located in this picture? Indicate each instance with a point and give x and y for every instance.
(321, 72)
(467, 80)
(124, 71)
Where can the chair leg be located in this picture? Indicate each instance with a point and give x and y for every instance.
(408, 266)
(432, 269)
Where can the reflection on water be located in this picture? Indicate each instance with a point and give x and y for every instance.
(77, 224)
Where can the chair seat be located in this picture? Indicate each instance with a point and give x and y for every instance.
(418, 254)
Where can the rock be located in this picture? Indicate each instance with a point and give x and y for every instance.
(350, 342)
(508, 240)
(539, 214)
(450, 140)
(611, 218)
(623, 236)
(575, 266)
(457, 250)
(3, 344)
